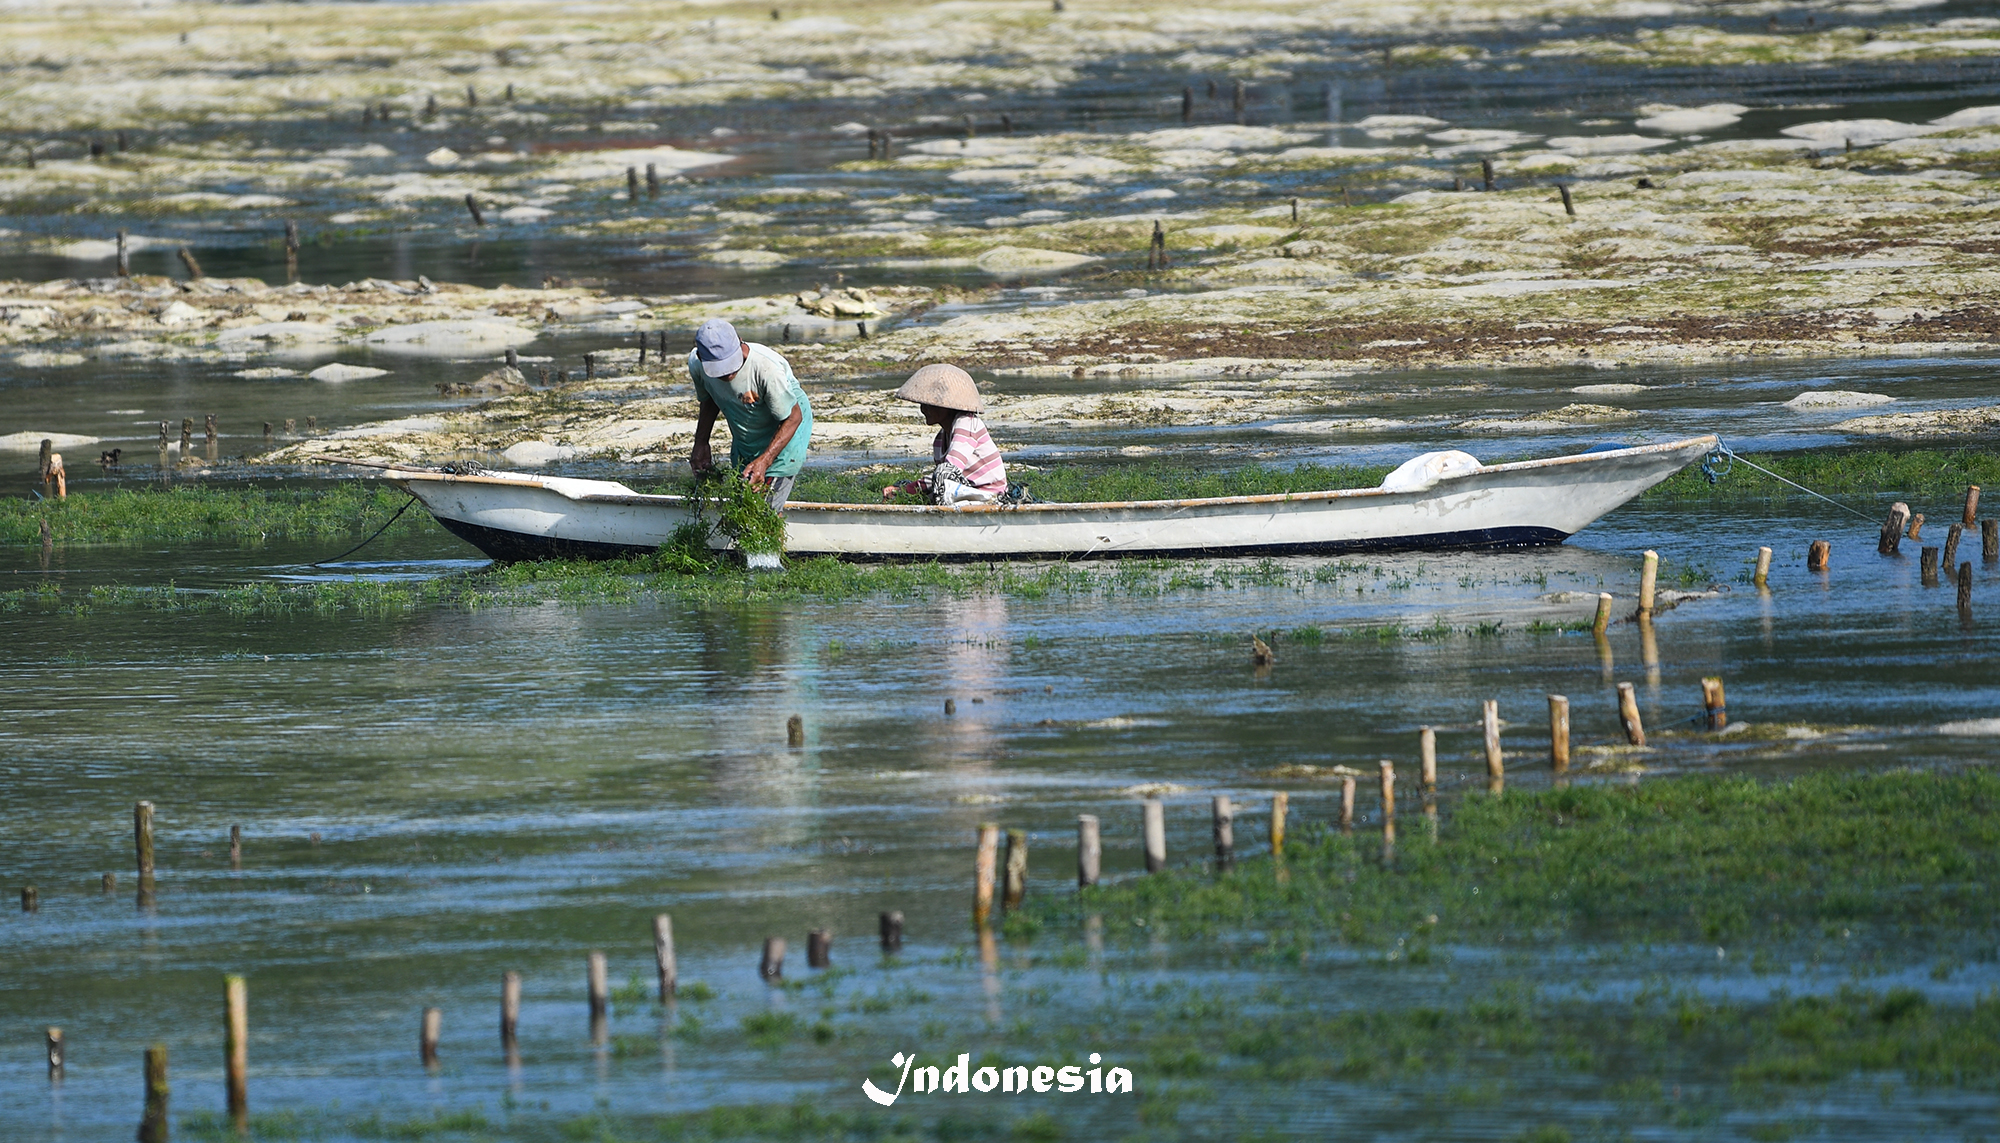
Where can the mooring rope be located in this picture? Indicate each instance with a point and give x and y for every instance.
(1714, 469)
(369, 540)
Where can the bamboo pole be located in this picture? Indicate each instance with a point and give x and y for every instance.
(1763, 576)
(1154, 824)
(1224, 824)
(1603, 618)
(1427, 757)
(429, 1029)
(982, 875)
(1089, 850)
(1649, 578)
(663, 956)
(1014, 886)
(236, 1049)
(510, 1009)
(1347, 804)
(1559, 733)
(1495, 761)
(1280, 803)
(599, 984)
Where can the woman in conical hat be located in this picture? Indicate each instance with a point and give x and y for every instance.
(966, 465)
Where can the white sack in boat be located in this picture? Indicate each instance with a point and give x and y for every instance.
(1422, 472)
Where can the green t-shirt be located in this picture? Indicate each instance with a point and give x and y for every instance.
(755, 402)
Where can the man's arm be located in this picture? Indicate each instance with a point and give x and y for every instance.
(755, 470)
(700, 458)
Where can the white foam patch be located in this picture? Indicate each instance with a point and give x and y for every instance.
(1839, 132)
(32, 441)
(1671, 120)
(1972, 728)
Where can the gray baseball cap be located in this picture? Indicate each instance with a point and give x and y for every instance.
(718, 347)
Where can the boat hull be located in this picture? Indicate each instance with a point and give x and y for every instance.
(513, 516)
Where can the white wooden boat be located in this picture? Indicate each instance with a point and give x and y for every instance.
(520, 516)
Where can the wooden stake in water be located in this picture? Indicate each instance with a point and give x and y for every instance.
(1427, 757)
(1280, 802)
(236, 847)
(1559, 733)
(772, 966)
(236, 1049)
(599, 985)
(1971, 505)
(1916, 531)
(1927, 567)
(124, 256)
(819, 948)
(153, 1127)
(1818, 556)
(1628, 712)
(1603, 619)
(892, 931)
(1965, 586)
(56, 1051)
(1713, 701)
(1388, 791)
(472, 208)
(1089, 850)
(1014, 886)
(1154, 826)
(795, 731)
(510, 1009)
(1951, 538)
(663, 956)
(1224, 823)
(1989, 540)
(31, 899)
(1495, 762)
(982, 874)
(142, 840)
(1569, 206)
(1347, 804)
(1486, 172)
(1892, 529)
(1763, 574)
(429, 1029)
(1649, 576)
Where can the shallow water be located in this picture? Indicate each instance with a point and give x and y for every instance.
(509, 788)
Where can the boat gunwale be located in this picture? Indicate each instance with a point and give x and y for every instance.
(405, 477)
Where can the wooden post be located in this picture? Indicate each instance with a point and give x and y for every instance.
(187, 259)
(510, 1008)
(55, 1053)
(1015, 885)
(1916, 531)
(153, 1128)
(1224, 826)
(1154, 824)
(142, 841)
(1495, 762)
(1927, 567)
(1388, 791)
(892, 931)
(599, 985)
(653, 180)
(31, 899)
(291, 251)
(1628, 712)
(1089, 850)
(429, 1029)
(236, 846)
(888, 144)
(1951, 538)
(1603, 619)
(663, 956)
(124, 255)
(236, 1050)
(1346, 803)
(1763, 574)
(1818, 555)
(187, 436)
(1649, 578)
(772, 966)
(108, 883)
(1971, 505)
(1427, 757)
(1187, 104)
(590, 367)
(472, 208)
(1295, 212)
(631, 184)
(1717, 706)
(471, 97)
(1892, 529)
(1559, 733)
(795, 731)
(982, 874)
(1989, 540)
(1965, 586)
(1280, 803)
(1486, 172)
(1237, 98)
(1569, 206)
(819, 948)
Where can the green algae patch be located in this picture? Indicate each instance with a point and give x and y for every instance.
(1859, 473)
(1820, 857)
(190, 512)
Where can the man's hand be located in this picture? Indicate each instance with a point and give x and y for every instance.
(755, 470)
(700, 459)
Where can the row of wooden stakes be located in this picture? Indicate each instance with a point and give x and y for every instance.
(1008, 873)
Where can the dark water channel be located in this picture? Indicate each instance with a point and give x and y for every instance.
(508, 789)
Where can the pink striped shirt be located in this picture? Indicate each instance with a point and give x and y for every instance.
(967, 446)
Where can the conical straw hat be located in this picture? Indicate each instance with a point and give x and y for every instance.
(946, 386)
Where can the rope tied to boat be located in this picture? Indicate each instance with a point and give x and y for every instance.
(1721, 459)
(369, 540)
